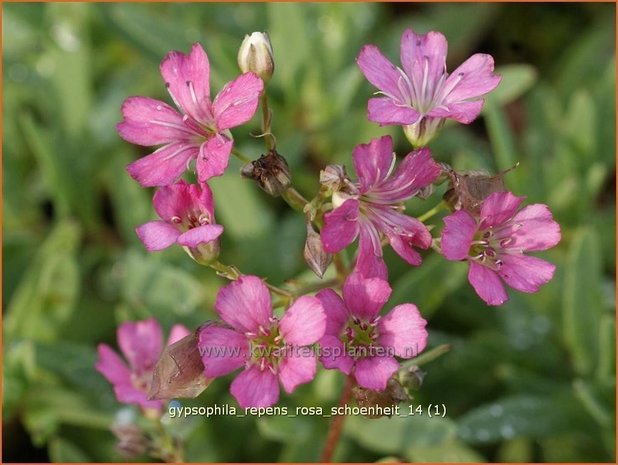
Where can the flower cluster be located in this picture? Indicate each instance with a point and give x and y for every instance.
(341, 326)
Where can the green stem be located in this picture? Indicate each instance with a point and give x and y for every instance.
(294, 199)
(428, 214)
(240, 155)
(269, 140)
(427, 357)
(232, 273)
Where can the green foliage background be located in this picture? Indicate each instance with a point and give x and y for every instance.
(533, 380)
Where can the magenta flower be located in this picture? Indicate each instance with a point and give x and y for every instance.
(200, 131)
(421, 94)
(357, 340)
(373, 204)
(141, 342)
(494, 245)
(270, 350)
(188, 215)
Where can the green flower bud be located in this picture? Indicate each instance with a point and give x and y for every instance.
(256, 55)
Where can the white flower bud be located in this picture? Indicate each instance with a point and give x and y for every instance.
(256, 55)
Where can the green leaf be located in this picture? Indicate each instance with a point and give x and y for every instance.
(583, 303)
(501, 137)
(516, 81)
(239, 207)
(63, 450)
(69, 56)
(46, 296)
(451, 451)
(606, 368)
(399, 434)
(515, 416)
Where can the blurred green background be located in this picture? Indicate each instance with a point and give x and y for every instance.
(533, 380)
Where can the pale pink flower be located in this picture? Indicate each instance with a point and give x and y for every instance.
(141, 342)
(272, 351)
(421, 94)
(495, 242)
(187, 217)
(200, 131)
(373, 205)
(361, 342)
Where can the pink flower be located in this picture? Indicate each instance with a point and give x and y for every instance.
(188, 215)
(357, 340)
(269, 349)
(372, 206)
(141, 342)
(200, 131)
(494, 245)
(421, 94)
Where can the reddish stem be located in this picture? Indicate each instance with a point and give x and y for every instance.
(336, 426)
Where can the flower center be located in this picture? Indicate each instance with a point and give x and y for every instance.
(489, 245)
(359, 337)
(267, 347)
(192, 220)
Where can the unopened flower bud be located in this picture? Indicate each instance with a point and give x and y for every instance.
(333, 177)
(256, 55)
(316, 257)
(179, 371)
(393, 394)
(270, 171)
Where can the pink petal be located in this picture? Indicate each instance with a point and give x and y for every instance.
(151, 122)
(177, 333)
(370, 263)
(374, 372)
(164, 166)
(487, 284)
(255, 388)
(472, 79)
(379, 71)
(141, 342)
(457, 235)
(128, 394)
(245, 304)
(203, 194)
(403, 330)
(111, 366)
(223, 350)
(173, 201)
(214, 156)
(299, 368)
(385, 110)
(524, 273)
(335, 310)
(533, 229)
(365, 297)
(304, 322)
(340, 226)
(497, 208)
(416, 170)
(187, 80)
(424, 51)
(404, 233)
(237, 102)
(463, 112)
(333, 354)
(373, 161)
(157, 235)
(200, 235)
